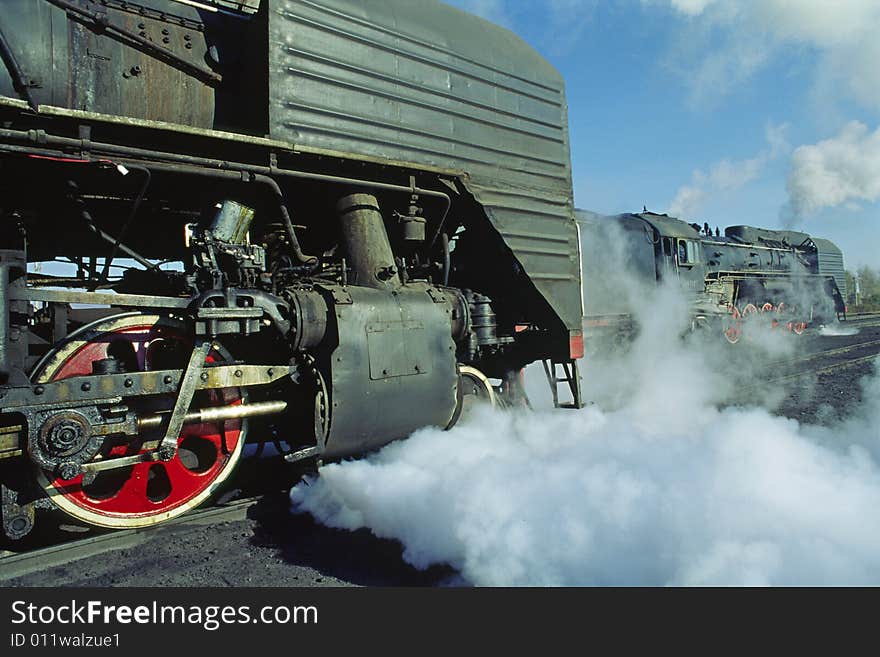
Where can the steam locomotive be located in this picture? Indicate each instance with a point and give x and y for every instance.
(323, 223)
(749, 276)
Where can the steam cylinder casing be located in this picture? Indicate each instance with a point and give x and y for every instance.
(393, 370)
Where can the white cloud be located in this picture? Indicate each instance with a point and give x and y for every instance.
(691, 7)
(737, 38)
(726, 176)
(838, 171)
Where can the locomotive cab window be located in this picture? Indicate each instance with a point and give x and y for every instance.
(687, 252)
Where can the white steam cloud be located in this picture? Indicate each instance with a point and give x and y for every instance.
(663, 481)
(726, 176)
(838, 171)
(621, 498)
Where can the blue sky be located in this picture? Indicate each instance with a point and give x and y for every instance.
(762, 112)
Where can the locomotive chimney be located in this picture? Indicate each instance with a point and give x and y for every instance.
(372, 260)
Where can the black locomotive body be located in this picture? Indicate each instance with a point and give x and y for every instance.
(787, 277)
(322, 223)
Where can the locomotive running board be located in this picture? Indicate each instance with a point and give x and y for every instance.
(570, 376)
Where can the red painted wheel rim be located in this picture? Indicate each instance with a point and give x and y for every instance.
(733, 326)
(148, 490)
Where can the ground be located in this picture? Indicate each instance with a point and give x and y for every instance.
(274, 548)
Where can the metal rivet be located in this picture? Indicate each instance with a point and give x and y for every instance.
(85, 387)
(270, 372)
(128, 383)
(237, 373)
(204, 376)
(39, 390)
(166, 40)
(167, 378)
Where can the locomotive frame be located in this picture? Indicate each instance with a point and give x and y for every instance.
(318, 223)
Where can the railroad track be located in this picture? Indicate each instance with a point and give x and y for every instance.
(873, 346)
(870, 319)
(17, 564)
(828, 369)
(826, 353)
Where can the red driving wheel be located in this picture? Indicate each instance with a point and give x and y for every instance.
(145, 493)
(732, 326)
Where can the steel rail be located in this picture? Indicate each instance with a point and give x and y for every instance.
(828, 369)
(18, 564)
(828, 352)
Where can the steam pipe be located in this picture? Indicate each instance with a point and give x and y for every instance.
(90, 222)
(40, 137)
(444, 240)
(366, 240)
(5, 367)
(246, 176)
(134, 208)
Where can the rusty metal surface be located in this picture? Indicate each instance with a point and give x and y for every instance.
(143, 60)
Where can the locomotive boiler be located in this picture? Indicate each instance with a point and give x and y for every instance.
(323, 223)
(781, 278)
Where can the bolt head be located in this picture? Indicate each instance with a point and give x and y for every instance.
(68, 470)
(166, 453)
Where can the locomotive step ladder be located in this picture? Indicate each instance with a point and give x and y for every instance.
(569, 376)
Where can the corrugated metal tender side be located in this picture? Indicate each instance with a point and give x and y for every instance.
(442, 88)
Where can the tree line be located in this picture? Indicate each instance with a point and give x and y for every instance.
(868, 299)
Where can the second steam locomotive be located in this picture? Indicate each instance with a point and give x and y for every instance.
(780, 278)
